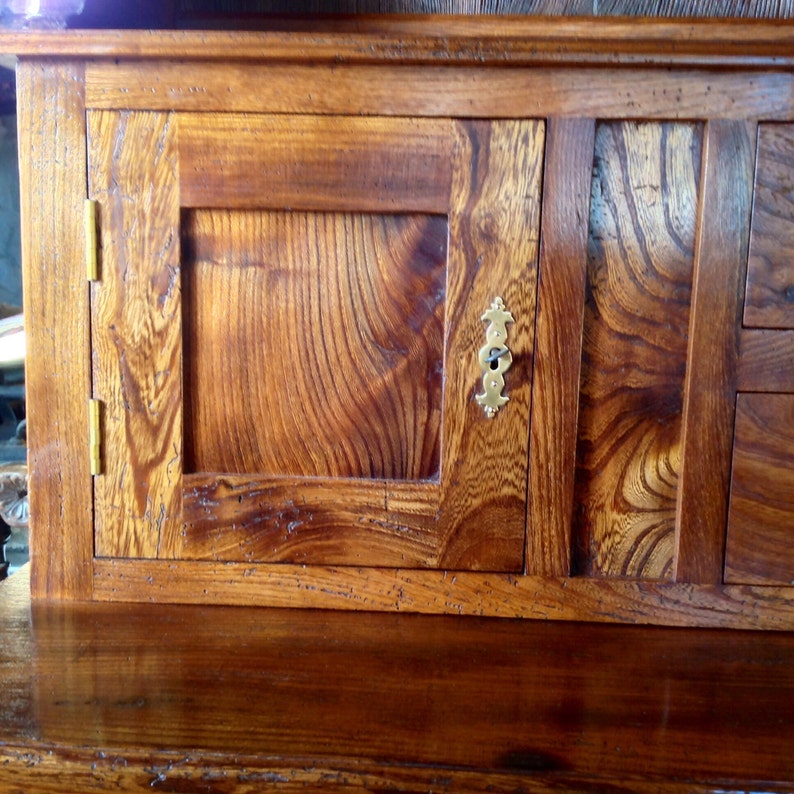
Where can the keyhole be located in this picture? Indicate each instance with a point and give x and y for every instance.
(493, 356)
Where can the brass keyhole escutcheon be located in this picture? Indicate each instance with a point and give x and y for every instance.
(495, 358)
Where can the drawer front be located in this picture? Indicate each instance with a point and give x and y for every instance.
(760, 545)
(770, 273)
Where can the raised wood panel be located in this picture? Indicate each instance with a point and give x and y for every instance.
(444, 90)
(314, 163)
(313, 343)
(52, 129)
(561, 298)
(642, 236)
(769, 301)
(721, 258)
(137, 330)
(760, 543)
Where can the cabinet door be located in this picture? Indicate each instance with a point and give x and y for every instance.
(286, 332)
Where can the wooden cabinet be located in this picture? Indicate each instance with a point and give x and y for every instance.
(302, 250)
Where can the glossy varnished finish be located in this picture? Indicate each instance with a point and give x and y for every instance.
(769, 299)
(51, 109)
(172, 698)
(636, 317)
(345, 221)
(761, 515)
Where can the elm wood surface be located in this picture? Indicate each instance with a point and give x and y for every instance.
(760, 542)
(482, 89)
(764, 363)
(558, 341)
(636, 316)
(329, 362)
(495, 178)
(465, 40)
(720, 261)
(136, 331)
(769, 300)
(339, 335)
(476, 593)
(164, 697)
(51, 110)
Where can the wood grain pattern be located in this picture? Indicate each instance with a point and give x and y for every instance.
(314, 163)
(440, 91)
(494, 229)
(475, 518)
(769, 297)
(765, 361)
(642, 232)
(313, 343)
(760, 542)
(721, 257)
(52, 129)
(136, 330)
(561, 299)
(491, 594)
(318, 521)
(245, 698)
(463, 40)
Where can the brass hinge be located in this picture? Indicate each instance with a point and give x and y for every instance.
(91, 251)
(95, 435)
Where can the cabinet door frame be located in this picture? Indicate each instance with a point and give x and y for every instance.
(145, 168)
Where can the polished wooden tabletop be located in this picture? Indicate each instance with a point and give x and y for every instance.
(187, 698)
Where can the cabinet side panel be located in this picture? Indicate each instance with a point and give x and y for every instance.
(561, 296)
(641, 249)
(51, 119)
(137, 331)
(709, 401)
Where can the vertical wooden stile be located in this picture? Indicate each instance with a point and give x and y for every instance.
(709, 395)
(137, 332)
(558, 344)
(51, 119)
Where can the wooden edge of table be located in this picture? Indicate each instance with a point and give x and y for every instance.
(478, 40)
(57, 768)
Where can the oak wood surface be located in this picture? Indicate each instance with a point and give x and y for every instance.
(769, 297)
(636, 317)
(136, 330)
(52, 129)
(720, 262)
(444, 90)
(178, 697)
(561, 298)
(759, 546)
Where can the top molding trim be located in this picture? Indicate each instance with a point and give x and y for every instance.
(430, 39)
